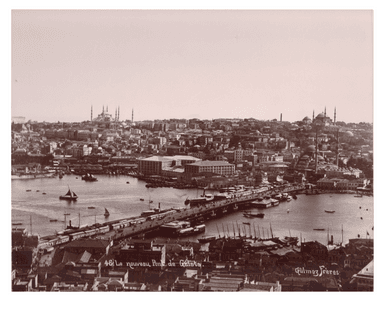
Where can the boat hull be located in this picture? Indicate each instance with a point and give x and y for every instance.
(206, 239)
(68, 198)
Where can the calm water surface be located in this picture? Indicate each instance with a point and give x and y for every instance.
(296, 218)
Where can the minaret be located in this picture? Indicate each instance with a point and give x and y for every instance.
(91, 113)
(337, 147)
(334, 116)
(118, 113)
(325, 111)
(281, 117)
(316, 156)
(132, 115)
(313, 116)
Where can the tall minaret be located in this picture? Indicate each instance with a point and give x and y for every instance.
(313, 116)
(337, 147)
(132, 115)
(325, 111)
(103, 109)
(118, 113)
(334, 116)
(91, 113)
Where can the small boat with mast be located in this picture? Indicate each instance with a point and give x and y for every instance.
(106, 213)
(70, 195)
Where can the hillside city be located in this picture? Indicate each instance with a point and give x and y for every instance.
(317, 152)
(252, 147)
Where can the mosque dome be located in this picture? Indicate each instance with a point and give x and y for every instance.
(321, 115)
(349, 133)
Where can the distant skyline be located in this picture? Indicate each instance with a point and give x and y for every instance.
(186, 64)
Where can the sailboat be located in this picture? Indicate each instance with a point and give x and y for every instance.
(70, 195)
(106, 214)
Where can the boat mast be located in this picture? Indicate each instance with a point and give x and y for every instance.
(218, 230)
(341, 235)
(30, 223)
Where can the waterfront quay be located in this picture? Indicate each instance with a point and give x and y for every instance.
(206, 211)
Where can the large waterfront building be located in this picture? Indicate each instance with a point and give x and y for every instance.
(219, 167)
(156, 164)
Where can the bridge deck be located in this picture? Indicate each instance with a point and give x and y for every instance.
(194, 212)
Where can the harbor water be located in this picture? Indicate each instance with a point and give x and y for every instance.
(36, 206)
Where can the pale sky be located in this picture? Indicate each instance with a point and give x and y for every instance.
(186, 64)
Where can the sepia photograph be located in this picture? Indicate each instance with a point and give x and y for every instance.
(192, 150)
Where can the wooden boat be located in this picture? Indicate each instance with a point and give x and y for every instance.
(253, 215)
(141, 199)
(246, 223)
(44, 193)
(330, 211)
(53, 220)
(191, 230)
(319, 229)
(88, 177)
(91, 207)
(206, 239)
(70, 195)
(17, 223)
(106, 213)
(28, 190)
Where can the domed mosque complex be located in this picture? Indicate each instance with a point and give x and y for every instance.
(327, 161)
